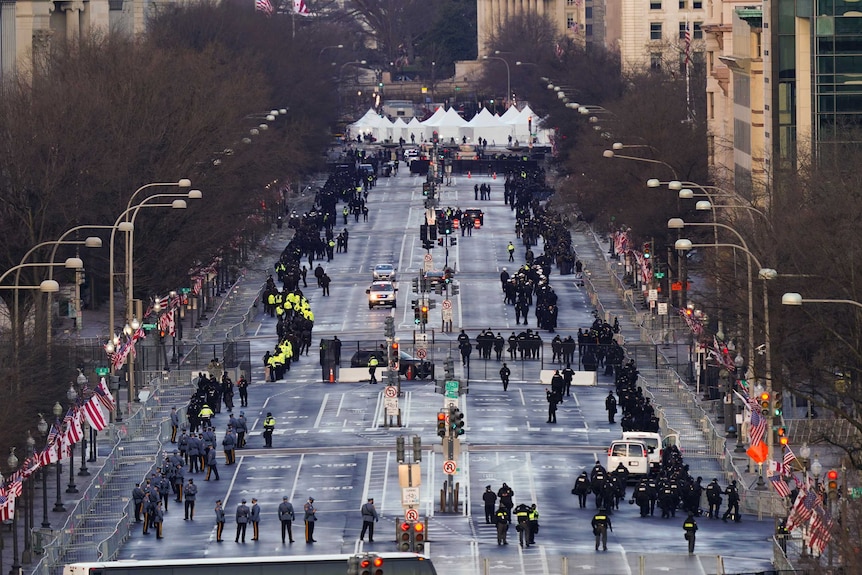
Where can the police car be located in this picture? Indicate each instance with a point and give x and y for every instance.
(382, 293)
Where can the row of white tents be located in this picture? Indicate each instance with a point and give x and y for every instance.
(449, 125)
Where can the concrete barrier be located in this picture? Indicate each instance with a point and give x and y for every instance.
(581, 378)
(355, 374)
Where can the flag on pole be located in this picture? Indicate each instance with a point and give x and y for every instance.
(780, 486)
(687, 41)
(300, 7)
(757, 428)
(789, 457)
(103, 394)
(7, 507)
(94, 415)
(264, 6)
(802, 509)
(74, 433)
(821, 531)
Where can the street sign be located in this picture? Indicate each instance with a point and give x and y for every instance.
(428, 258)
(447, 315)
(185, 290)
(410, 496)
(390, 391)
(148, 326)
(411, 515)
(662, 308)
(428, 264)
(391, 406)
(447, 304)
(653, 295)
(450, 467)
(452, 389)
(101, 371)
(421, 352)
(449, 402)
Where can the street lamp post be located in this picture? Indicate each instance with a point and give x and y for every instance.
(611, 154)
(42, 428)
(508, 77)
(340, 72)
(28, 503)
(82, 381)
(58, 505)
(72, 396)
(126, 223)
(795, 299)
(12, 462)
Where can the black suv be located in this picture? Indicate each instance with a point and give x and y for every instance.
(420, 368)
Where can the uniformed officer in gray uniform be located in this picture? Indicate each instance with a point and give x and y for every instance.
(242, 515)
(191, 492)
(219, 513)
(369, 516)
(286, 515)
(255, 519)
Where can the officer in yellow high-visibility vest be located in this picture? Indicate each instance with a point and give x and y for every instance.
(690, 526)
(205, 414)
(372, 369)
(268, 428)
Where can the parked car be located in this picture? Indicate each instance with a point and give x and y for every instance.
(408, 366)
(382, 293)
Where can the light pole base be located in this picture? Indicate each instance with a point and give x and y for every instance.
(59, 508)
(72, 488)
(83, 472)
(761, 485)
(46, 525)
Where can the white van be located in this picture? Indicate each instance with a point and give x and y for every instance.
(655, 444)
(631, 453)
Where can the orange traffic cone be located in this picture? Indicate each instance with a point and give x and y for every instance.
(469, 175)
(495, 175)
(331, 375)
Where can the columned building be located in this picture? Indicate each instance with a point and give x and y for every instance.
(568, 16)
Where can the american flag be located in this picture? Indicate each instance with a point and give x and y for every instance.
(7, 507)
(103, 394)
(687, 40)
(780, 486)
(802, 509)
(821, 531)
(789, 457)
(757, 428)
(264, 6)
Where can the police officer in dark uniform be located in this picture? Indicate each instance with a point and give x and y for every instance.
(268, 428)
(732, 503)
(713, 497)
(522, 513)
(611, 406)
(582, 489)
(601, 524)
(490, 499)
(505, 372)
(690, 526)
(191, 492)
(137, 501)
(502, 519)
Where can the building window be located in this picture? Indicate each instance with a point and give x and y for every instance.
(570, 23)
(655, 31)
(682, 4)
(570, 2)
(588, 12)
(682, 30)
(697, 4)
(589, 29)
(655, 60)
(698, 31)
(655, 4)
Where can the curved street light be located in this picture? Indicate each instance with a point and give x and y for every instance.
(508, 75)
(611, 154)
(796, 299)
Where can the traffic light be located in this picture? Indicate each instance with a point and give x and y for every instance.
(424, 310)
(432, 231)
(417, 315)
(781, 432)
(395, 349)
(776, 405)
(456, 289)
(832, 482)
(415, 285)
(456, 421)
(453, 241)
(389, 327)
(439, 241)
(449, 369)
(399, 449)
(435, 137)
(404, 536)
(418, 537)
(371, 565)
(647, 251)
(423, 232)
(448, 227)
(441, 424)
(764, 403)
(417, 449)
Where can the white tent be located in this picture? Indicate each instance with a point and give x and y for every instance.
(399, 130)
(449, 126)
(522, 123)
(488, 126)
(372, 123)
(511, 115)
(415, 130)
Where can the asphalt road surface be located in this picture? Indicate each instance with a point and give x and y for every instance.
(331, 441)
